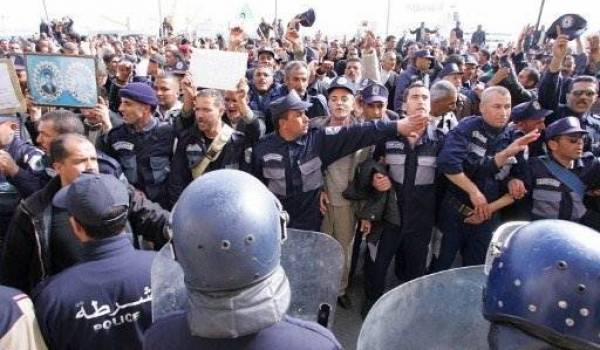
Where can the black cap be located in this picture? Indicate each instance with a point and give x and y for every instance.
(571, 25)
(564, 126)
(375, 92)
(449, 69)
(469, 59)
(341, 82)
(179, 69)
(91, 197)
(291, 101)
(158, 59)
(268, 50)
(531, 110)
(307, 19)
(423, 54)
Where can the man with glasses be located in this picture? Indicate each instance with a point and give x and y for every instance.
(582, 92)
(558, 184)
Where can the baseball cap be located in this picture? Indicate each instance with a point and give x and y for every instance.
(564, 126)
(91, 197)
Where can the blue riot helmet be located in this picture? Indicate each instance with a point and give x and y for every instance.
(227, 231)
(544, 279)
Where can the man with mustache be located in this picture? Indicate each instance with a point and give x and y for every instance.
(557, 185)
(339, 218)
(582, 92)
(290, 161)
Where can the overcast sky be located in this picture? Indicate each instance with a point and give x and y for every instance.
(335, 17)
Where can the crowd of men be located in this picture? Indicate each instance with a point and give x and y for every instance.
(420, 148)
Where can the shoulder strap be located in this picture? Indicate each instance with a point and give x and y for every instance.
(565, 176)
(214, 150)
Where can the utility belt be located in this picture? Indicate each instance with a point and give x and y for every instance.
(461, 208)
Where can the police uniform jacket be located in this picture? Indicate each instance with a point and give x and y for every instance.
(470, 148)
(191, 149)
(549, 198)
(172, 332)
(414, 174)
(101, 303)
(144, 156)
(292, 170)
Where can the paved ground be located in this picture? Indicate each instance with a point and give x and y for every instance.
(347, 323)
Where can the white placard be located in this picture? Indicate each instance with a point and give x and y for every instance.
(141, 68)
(218, 69)
(11, 98)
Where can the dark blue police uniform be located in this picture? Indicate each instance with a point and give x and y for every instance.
(470, 148)
(550, 198)
(555, 192)
(144, 156)
(101, 303)
(29, 160)
(192, 145)
(12, 188)
(292, 170)
(172, 332)
(413, 172)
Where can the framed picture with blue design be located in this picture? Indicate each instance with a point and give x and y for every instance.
(59, 80)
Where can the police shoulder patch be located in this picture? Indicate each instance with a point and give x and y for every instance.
(194, 147)
(547, 181)
(272, 156)
(375, 90)
(123, 145)
(479, 136)
(394, 145)
(332, 130)
(35, 162)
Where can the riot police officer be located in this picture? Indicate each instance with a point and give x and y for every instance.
(539, 292)
(290, 160)
(143, 144)
(228, 221)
